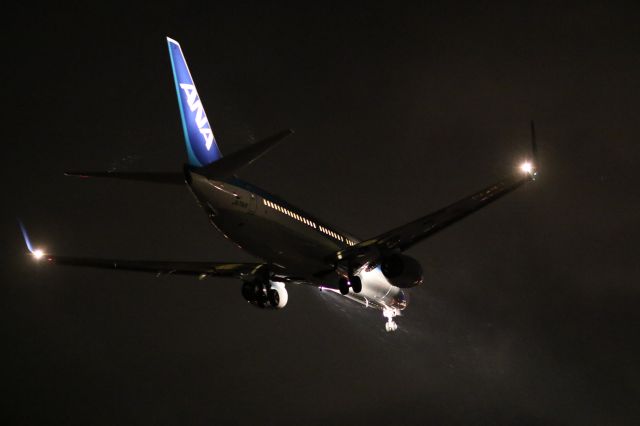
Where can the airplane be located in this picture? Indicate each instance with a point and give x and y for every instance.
(294, 246)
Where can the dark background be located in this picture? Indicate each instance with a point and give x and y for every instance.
(529, 310)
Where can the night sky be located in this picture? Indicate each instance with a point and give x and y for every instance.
(529, 311)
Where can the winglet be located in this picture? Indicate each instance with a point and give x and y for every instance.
(35, 252)
(534, 151)
(25, 235)
(534, 144)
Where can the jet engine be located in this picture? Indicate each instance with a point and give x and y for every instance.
(401, 271)
(266, 295)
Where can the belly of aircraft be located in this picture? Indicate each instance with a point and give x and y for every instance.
(266, 234)
(278, 239)
(272, 241)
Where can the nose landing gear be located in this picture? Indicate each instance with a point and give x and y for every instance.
(389, 314)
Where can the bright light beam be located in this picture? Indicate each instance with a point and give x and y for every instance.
(526, 167)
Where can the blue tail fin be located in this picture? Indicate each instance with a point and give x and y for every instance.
(202, 148)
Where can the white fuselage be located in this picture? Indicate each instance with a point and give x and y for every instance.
(285, 236)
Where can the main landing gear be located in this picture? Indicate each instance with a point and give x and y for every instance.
(272, 295)
(352, 281)
(389, 314)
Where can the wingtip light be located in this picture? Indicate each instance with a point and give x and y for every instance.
(526, 167)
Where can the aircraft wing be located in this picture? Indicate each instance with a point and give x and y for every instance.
(204, 269)
(405, 236)
(201, 269)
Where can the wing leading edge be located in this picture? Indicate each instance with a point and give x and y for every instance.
(405, 236)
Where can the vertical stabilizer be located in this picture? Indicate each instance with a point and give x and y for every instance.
(202, 148)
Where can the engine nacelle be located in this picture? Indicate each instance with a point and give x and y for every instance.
(269, 295)
(401, 271)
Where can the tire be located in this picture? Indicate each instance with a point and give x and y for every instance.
(343, 286)
(261, 296)
(356, 284)
(274, 298)
(249, 292)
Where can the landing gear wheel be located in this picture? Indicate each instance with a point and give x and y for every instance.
(343, 286)
(274, 297)
(263, 302)
(389, 314)
(250, 292)
(356, 283)
(262, 297)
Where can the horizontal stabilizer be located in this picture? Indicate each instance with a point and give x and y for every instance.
(230, 164)
(155, 177)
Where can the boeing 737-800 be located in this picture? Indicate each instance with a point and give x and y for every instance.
(294, 246)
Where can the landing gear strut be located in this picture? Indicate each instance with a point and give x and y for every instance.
(389, 314)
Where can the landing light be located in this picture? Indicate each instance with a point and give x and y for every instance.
(526, 167)
(38, 254)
